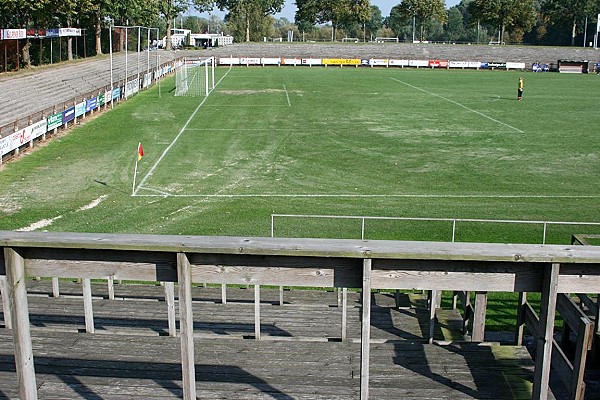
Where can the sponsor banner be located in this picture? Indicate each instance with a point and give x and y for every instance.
(54, 121)
(5, 145)
(496, 65)
(438, 63)
(341, 61)
(311, 61)
(270, 61)
(291, 61)
(8, 34)
(365, 62)
(101, 99)
(132, 87)
(378, 62)
(91, 104)
(79, 109)
(36, 33)
(39, 128)
(398, 63)
(250, 61)
(107, 97)
(418, 63)
(69, 32)
(458, 64)
(53, 32)
(474, 64)
(68, 115)
(229, 61)
(116, 93)
(515, 65)
(147, 80)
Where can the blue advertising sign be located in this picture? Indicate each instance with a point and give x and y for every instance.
(91, 104)
(116, 93)
(68, 115)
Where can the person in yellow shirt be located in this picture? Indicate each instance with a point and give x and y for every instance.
(520, 89)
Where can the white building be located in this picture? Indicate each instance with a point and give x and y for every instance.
(185, 37)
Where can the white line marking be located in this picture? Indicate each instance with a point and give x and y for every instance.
(39, 225)
(164, 153)
(93, 203)
(458, 104)
(372, 196)
(287, 95)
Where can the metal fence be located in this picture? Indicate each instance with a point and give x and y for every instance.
(454, 222)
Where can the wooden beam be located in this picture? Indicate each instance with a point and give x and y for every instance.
(5, 302)
(365, 340)
(223, 293)
(344, 314)
(541, 377)
(432, 303)
(87, 306)
(520, 318)
(55, 287)
(478, 334)
(111, 287)
(257, 312)
(170, 300)
(17, 293)
(186, 326)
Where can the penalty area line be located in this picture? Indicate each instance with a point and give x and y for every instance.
(287, 95)
(458, 104)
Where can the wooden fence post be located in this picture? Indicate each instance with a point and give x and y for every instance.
(478, 334)
(170, 299)
(520, 318)
(257, 312)
(186, 326)
(344, 314)
(87, 306)
(15, 275)
(365, 340)
(541, 376)
(5, 302)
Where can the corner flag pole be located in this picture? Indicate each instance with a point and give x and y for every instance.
(138, 157)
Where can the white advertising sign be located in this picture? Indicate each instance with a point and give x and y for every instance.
(14, 34)
(270, 61)
(398, 63)
(311, 61)
(229, 61)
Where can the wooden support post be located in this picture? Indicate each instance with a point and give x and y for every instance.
(87, 305)
(257, 312)
(541, 376)
(432, 294)
(455, 299)
(468, 316)
(397, 294)
(584, 336)
(344, 314)
(15, 276)
(520, 318)
(111, 287)
(170, 300)
(597, 316)
(55, 287)
(478, 334)
(5, 302)
(224, 293)
(186, 326)
(280, 295)
(365, 340)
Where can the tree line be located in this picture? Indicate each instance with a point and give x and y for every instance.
(544, 22)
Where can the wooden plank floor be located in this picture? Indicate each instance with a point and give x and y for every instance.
(300, 357)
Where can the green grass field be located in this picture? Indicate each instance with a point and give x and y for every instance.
(326, 141)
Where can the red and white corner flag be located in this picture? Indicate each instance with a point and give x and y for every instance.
(140, 151)
(140, 154)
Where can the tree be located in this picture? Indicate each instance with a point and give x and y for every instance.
(572, 12)
(249, 12)
(519, 15)
(375, 23)
(338, 12)
(455, 28)
(422, 11)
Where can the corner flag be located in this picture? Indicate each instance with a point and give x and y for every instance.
(140, 151)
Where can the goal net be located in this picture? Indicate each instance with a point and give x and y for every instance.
(195, 77)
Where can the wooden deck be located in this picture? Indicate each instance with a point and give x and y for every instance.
(300, 355)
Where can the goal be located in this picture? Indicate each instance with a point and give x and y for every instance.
(195, 77)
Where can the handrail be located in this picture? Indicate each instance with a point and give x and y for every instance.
(549, 269)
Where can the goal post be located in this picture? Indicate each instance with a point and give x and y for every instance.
(195, 77)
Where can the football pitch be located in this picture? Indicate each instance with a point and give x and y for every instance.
(325, 141)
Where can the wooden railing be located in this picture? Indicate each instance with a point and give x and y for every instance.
(292, 262)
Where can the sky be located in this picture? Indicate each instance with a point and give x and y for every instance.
(289, 9)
